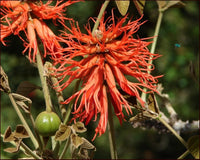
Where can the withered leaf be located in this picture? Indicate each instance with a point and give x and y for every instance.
(83, 153)
(87, 145)
(20, 100)
(164, 5)
(8, 135)
(137, 117)
(4, 85)
(25, 107)
(122, 6)
(193, 146)
(14, 149)
(79, 127)
(19, 97)
(147, 122)
(152, 103)
(76, 140)
(25, 88)
(139, 4)
(63, 133)
(20, 132)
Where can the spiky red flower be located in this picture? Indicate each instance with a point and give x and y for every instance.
(102, 62)
(27, 17)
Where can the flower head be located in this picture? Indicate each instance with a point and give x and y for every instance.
(28, 17)
(102, 61)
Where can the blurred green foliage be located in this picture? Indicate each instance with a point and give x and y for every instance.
(179, 65)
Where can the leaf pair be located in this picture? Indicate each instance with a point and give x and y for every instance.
(123, 6)
(15, 136)
(79, 145)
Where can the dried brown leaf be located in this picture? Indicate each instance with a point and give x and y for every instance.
(20, 100)
(20, 132)
(152, 103)
(25, 107)
(76, 140)
(87, 145)
(79, 127)
(193, 146)
(8, 135)
(164, 5)
(15, 149)
(4, 85)
(63, 133)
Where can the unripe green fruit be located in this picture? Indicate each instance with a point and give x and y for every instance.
(47, 123)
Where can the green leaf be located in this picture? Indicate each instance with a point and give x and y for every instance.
(193, 146)
(139, 4)
(122, 6)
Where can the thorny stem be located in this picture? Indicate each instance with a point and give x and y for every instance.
(153, 47)
(111, 133)
(103, 8)
(173, 131)
(23, 120)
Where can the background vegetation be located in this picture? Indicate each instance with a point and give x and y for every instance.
(179, 65)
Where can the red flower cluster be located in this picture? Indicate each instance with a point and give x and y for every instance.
(101, 61)
(28, 17)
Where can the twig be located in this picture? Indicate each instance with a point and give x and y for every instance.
(23, 120)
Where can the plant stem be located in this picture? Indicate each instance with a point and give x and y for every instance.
(103, 8)
(57, 89)
(65, 148)
(66, 118)
(29, 151)
(184, 155)
(37, 135)
(21, 117)
(173, 131)
(44, 82)
(153, 47)
(113, 150)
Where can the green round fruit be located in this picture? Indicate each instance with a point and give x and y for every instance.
(47, 123)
